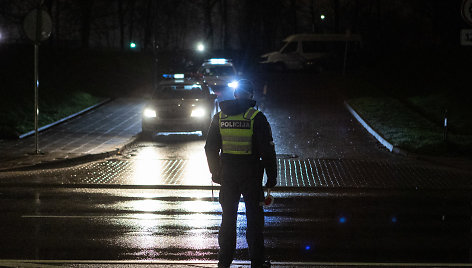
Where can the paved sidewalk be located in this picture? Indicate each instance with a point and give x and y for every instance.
(100, 132)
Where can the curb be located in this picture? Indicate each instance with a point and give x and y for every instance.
(27, 134)
(73, 161)
(374, 133)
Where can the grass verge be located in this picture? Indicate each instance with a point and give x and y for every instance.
(407, 129)
(437, 107)
(404, 97)
(17, 115)
(70, 81)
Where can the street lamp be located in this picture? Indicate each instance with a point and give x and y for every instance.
(200, 47)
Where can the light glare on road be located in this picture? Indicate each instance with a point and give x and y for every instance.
(147, 165)
(151, 166)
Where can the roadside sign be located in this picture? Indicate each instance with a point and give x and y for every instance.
(37, 29)
(466, 37)
(467, 11)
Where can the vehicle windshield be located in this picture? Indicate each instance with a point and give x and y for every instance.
(218, 71)
(290, 48)
(178, 91)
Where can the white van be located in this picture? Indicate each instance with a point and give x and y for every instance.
(301, 51)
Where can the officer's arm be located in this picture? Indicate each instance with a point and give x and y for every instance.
(266, 146)
(213, 147)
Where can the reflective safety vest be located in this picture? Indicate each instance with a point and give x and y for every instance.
(236, 132)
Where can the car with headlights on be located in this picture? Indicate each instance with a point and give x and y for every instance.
(178, 104)
(220, 75)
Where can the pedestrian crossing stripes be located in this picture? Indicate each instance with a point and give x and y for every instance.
(347, 173)
(292, 172)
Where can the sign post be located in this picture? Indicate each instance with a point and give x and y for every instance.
(37, 26)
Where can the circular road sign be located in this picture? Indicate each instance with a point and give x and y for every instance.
(467, 11)
(32, 22)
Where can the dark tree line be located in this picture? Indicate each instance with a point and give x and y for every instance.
(235, 24)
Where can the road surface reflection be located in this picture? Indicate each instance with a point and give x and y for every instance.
(171, 159)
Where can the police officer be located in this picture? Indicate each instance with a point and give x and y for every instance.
(239, 147)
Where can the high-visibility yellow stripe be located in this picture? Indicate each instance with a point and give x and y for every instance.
(250, 113)
(237, 140)
(237, 149)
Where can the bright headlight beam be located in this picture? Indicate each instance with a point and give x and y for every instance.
(150, 113)
(233, 84)
(198, 112)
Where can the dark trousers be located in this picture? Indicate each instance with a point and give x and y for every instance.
(230, 193)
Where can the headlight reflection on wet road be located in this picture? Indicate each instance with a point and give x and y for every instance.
(147, 167)
(190, 220)
(197, 172)
(151, 167)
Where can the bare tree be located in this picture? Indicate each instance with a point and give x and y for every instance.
(208, 6)
(121, 23)
(86, 17)
(270, 20)
(57, 22)
(337, 16)
(293, 11)
(147, 24)
(355, 20)
(225, 26)
(131, 19)
(312, 12)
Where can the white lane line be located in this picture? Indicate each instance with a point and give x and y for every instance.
(24, 263)
(144, 216)
(141, 216)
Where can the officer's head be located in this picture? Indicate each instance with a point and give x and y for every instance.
(245, 90)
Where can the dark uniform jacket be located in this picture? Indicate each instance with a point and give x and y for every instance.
(226, 166)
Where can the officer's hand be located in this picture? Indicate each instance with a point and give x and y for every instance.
(271, 182)
(215, 178)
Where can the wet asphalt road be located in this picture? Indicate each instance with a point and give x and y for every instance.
(130, 224)
(343, 198)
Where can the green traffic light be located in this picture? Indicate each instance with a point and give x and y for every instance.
(132, 45)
